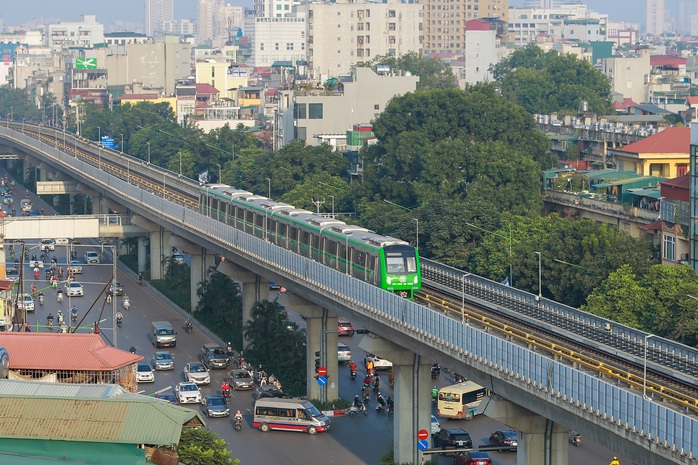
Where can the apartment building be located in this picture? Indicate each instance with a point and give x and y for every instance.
(445, 22)
(85, 33)
(344, 33)
(573, 21)
(274, 8)
(276, 39)
(157, 13)
(630, 76)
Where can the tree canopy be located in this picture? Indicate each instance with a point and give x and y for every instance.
(433, 73)
(547, 82)
(198, 446)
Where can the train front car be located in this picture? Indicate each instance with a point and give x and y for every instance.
(400, 270)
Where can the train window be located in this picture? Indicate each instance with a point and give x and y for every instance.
(394, 262)
(249, 220)
(411, 264)
(360, 258)
(282, 230)
(331, 247)
(305, 239)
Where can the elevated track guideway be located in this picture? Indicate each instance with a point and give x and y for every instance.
(584, 341)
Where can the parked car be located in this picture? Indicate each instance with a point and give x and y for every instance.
(214, 356)
(91, 257)
(472, 458)
(188, 393)
(240, 379)
(74, 288)
(12, 274)
(269, 390)
(62, 241)
(196, 372)
(144, 373)
(343, 352)
(215, 406)
(507, 438)
(163, 360)
(452, 438)
(344, 327)
(75, 267)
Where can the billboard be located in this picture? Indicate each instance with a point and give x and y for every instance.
(86, 63)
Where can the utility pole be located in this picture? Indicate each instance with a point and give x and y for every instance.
(318, 203)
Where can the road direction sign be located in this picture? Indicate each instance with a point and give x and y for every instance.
(321, 380)
(422, 434)
(322, 371)
(422, 444)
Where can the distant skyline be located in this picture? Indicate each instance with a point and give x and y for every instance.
(131, 11)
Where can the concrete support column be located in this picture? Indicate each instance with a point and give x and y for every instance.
(200, 263)
(412, 375)
(541, 441)
(142, 254)
(319, 322)
(71, 201)
(253, 287)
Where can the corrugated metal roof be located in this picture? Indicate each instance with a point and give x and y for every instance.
(671, 140)
(16, 387)
(130, 419)
(83, 352)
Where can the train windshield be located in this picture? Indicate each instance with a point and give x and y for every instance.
(401, 261)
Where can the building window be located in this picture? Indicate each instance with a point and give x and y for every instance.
(299, 111)
(301, 133)
(289, 45)
(376, 107)
(315, 111)
(669, 248)
(261, 46)
(681, 169)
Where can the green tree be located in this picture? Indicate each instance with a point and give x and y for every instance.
(220, 306)
(620, 298)
(199, 446)
(549, 82)
(280, 349)
(432, 72)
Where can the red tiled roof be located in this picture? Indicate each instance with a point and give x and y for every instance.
(625, 104)
(693, 100)
(666, 60)
(671, 140)
(653, 226)
(138, 97)
(58, 351)
(478, 25)
(205, 89)
(270, 92)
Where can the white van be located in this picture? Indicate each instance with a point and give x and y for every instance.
(26, 205)
(164, 334)
(289, 415)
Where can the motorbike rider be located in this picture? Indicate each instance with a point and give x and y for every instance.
(49, 319)
(189, 325)
(59, 315)
(434, 393)
(367, 380)
(615, 461)
(119, 318)
(391, 404)
(357, 402)
(229, 350)
(140, 279)
(41, 298)
(366, 392)
(59, 295)
(225, 388)
(352, 368)
(127, 302)
(380, 405)
(376, 383)
(238, 417)
(132, 349)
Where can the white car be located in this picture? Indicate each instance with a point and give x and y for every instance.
(343, 352)
(144, 373)
(380, 363)
(62, 242)
(75, 267)
(47, 243)
(74, 288)
(27, 303)
(188, 393)
(91, 257)
(196, 372)
(435, 425)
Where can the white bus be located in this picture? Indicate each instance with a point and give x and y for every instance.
(289, 415)
(460, 401)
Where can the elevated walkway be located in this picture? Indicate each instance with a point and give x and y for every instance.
(69, 227)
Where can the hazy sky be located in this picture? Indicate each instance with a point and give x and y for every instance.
(108, 12)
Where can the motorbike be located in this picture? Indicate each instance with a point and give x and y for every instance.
(391, 407)
(353, 410)
(73, 314)
(435, 370)
(49, 321)
(189, 326)
(229, 351)
(380, 405)
(119, 321)
(132, 349)
(238, 424)
(576, 438)
(60, 297)
(41, 299)
(376, 387)
(353, 374)
(126, 303)
(226, 395)
(366, 395)
(61, 321)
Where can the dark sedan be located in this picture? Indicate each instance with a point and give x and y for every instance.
(215, 406)
(508, 438)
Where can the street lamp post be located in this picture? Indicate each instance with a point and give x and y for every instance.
(269, 185)
(220, 172)
(122, 144)
(540, 281)
(99, 135)
(180, 163)
(417, 220)
(148, 144)
(332, 197)
(462, 305)
(644, 368)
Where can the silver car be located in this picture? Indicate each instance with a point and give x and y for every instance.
(240, 379)
(163, 360)
(196, 372)
(188, 393)
(215, 406)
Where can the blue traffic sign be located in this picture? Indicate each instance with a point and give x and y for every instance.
(322, 380)
(422, 444)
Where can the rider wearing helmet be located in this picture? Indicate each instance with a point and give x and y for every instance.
(614, 461)
(225, 387)
(357, 401)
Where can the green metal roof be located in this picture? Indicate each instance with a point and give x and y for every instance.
(653, 192)
(128, 419)
(611, 174)
(649, 180)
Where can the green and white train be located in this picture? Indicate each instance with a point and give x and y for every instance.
(386, 262)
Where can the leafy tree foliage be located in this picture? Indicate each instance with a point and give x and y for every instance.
(277, 348)
(176, 284)
(661, 301)
(198, 446)
(17, 104)
(220, 306)
(432, 72)
(549, 82)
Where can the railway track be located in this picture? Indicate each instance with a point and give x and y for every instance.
(577, 352)
(591, 352)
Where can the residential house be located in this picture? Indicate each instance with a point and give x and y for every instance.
(665, 154)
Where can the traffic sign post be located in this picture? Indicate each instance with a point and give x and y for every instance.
(322, 371)
(422, 434)
(321, 380)
(422, 444)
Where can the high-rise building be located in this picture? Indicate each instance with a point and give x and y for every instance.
(157, 13)
(444, 22)
(206, 20)
(655, 17)
(274, 8)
